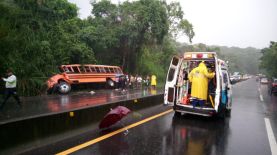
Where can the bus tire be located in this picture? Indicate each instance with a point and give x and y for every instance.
(110, 83)
(53, 89)
(64, 87)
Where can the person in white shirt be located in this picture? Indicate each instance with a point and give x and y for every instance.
(10, 89)
(139, 81)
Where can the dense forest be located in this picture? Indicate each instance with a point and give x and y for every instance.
(36, 36)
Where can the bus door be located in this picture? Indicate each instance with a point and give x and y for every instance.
(171, 80)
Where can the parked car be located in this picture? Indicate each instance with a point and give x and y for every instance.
(235, 78)
(273, 86)
(264, 80)
(232, 79)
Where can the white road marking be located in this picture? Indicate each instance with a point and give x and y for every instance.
(261, 97)
(271, 138)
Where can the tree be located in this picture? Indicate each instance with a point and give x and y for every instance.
(269, 59)
(36, 37)
(131, 26)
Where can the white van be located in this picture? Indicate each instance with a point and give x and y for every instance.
(178, 88)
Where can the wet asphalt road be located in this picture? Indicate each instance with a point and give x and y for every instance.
(52, 104)
(242, 134)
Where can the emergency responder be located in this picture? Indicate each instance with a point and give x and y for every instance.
(199, 84)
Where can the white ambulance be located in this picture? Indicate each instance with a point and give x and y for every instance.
(178, 87)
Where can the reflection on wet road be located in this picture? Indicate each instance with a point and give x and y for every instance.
(46, 105)
(243, 133)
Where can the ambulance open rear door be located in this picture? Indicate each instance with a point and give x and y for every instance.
(171, 80)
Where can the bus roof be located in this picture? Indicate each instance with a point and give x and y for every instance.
(88, 65)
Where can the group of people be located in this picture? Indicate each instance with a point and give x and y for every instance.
(129, 81)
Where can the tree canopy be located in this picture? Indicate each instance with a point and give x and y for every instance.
(36, 36)
(269, 59)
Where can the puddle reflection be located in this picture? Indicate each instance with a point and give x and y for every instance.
(64, 102)
(194, 135)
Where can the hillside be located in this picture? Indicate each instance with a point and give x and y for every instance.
(245, 60)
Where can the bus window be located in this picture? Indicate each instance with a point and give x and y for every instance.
(112, 70)
(107, 69)
(82, 69)
(97, 69)
(119, 71)
(67, 69)
(75, 69)
(92, 69)
(115, 70)
(87, 69)
(102, 70)
(61, 69)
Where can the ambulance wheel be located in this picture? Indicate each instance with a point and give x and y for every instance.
(222, 112)
(177, 114)
(228, 112)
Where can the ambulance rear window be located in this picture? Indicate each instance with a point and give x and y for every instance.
(175, 61)
(171, 74)
(225, 79)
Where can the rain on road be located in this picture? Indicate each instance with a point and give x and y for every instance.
(245, 132)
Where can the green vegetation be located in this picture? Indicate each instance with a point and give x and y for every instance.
(244, 60)
(269, 59)
(36, 36)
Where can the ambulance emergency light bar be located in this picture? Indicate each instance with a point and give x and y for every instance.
(199, 55)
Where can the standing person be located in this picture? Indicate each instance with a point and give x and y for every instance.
(139, 81)
(117, 81)
(153, 81)
(10, 89)
(135, 80)
(129, 81)
(147, 80)
(199, 83)
(132, 79)
(122, 82)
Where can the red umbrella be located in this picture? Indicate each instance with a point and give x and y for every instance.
(114, 116)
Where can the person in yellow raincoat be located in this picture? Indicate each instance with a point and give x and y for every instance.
(153, 81)
(199, 81)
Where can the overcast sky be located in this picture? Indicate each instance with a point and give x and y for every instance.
(240, 23)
